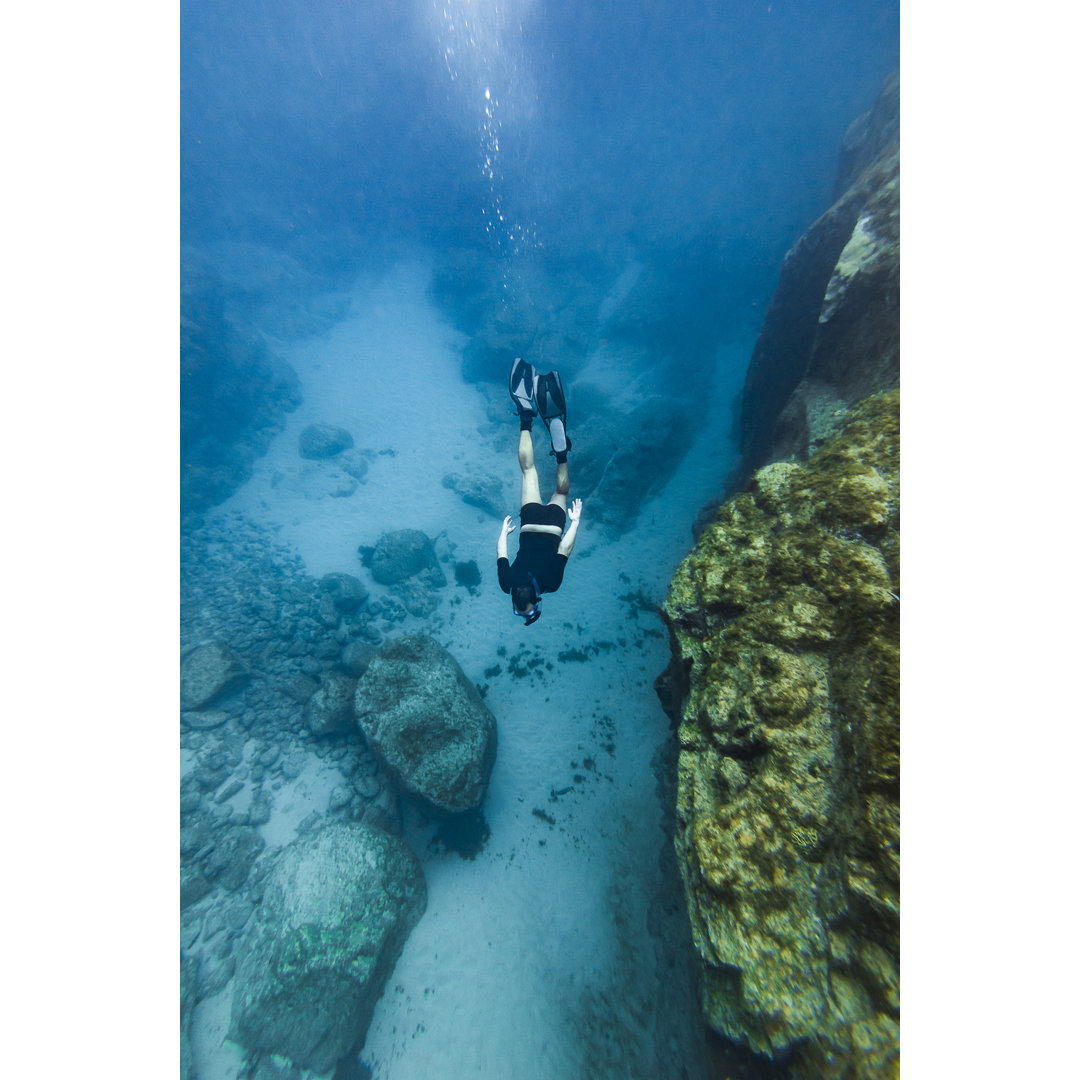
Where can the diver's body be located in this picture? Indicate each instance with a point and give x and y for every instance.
(546, 540)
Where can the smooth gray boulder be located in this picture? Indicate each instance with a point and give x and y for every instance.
(426, 723)
(337, 907)
(329, 711)
(207, 672)
(319, 441)
(400, 555)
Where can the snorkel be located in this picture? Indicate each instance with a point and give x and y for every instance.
(534, 613)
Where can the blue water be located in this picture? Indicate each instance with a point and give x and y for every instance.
(331, 129)
(381, 204)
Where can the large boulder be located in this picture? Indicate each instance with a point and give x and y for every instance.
(784, 683)
(337, 907)
(425, 721)
(831, 336)
(403, 554)
(208, 672)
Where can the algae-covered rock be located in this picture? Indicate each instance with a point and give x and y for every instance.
(336, 910)
(784, 681)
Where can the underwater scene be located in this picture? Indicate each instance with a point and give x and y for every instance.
(539, 540)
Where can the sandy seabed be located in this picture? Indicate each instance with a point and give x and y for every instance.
(539, 959)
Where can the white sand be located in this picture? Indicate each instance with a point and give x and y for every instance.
(534, 961)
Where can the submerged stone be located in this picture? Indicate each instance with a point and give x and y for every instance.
(329, 710)
(207, 672)
(426, 722)
(319, 441)
(403, 554)
(336, 910)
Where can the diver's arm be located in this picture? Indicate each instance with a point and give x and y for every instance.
(507, 528)
(566, 544)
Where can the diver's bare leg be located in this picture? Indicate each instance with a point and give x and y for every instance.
(530, 481)
(562, 485)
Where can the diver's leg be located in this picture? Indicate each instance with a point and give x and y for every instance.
(530, 480)
(562, 485)
(562, 481)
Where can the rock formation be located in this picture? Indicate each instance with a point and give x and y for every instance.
(329, 710)
(403, 554)
(207, 672)
(319, 441)
(336, 910)
(406, 561)
(832, 332)
(784, 682)
(426, 723)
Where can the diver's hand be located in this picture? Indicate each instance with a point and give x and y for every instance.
(509, 526)
(574, 513)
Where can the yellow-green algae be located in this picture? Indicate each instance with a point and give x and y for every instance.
(785, 619)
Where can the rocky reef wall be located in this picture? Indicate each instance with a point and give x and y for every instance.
(784, 679)
(784, 682)
(831, 335)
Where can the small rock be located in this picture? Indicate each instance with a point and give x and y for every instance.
(193, 886)
(367, 787)
(259, 810)
(268, 756)
(341, 796)
(229, 790)
(312, 821)
(324, 441)
(207, 672)
(203, 720)
(330, 709)
(346, 591)
(294, 763)
(300, 687)
(213, 977)
(237, 849)
(356, 656)
(484, 492)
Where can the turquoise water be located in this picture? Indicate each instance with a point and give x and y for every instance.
(381, 206)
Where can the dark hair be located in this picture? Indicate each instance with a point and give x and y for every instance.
(523, 596)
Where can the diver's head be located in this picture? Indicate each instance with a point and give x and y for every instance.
(526, 602)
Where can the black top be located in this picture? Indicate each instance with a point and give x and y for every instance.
(537, 554)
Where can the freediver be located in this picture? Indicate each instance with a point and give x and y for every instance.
(545, 541)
